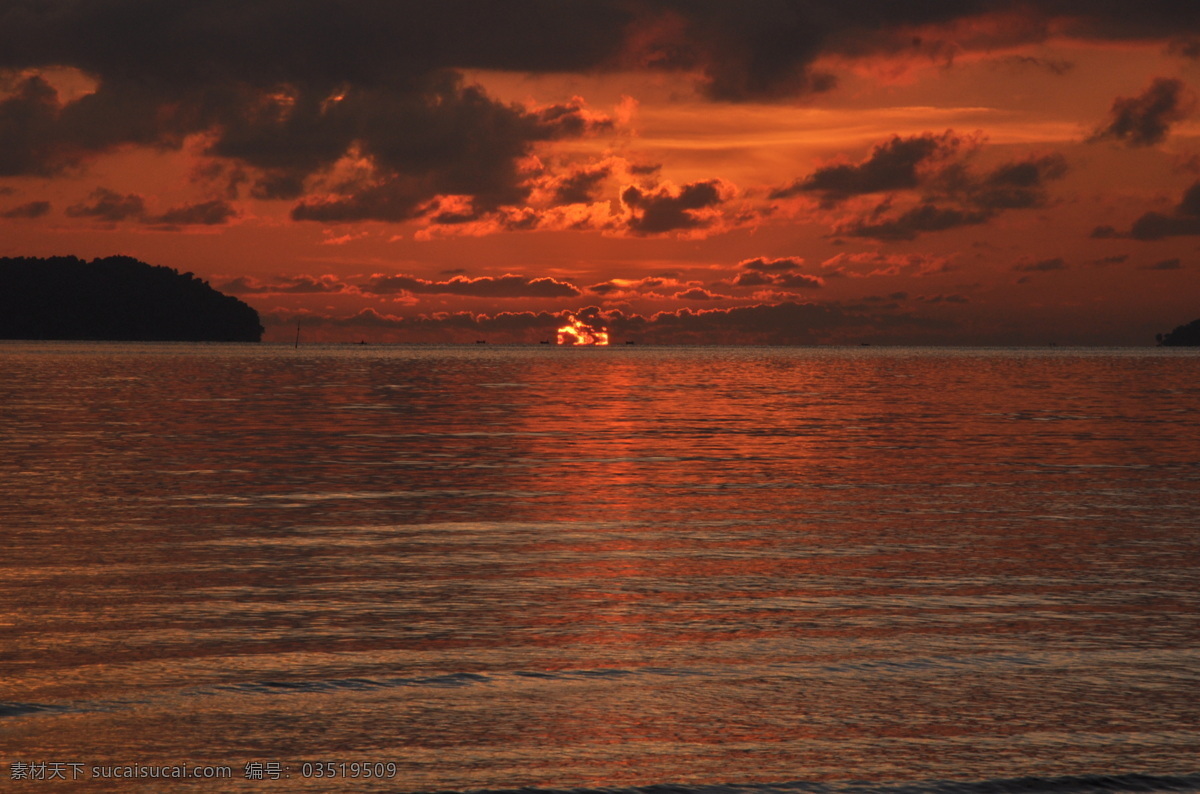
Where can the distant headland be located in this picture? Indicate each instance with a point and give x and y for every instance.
(1183, 336)
(118, 299)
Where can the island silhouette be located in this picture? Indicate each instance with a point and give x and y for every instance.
(117, 298)
(1183, 336)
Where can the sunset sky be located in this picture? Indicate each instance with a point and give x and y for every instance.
(683, 172)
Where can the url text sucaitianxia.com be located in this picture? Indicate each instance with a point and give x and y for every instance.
(74, 770)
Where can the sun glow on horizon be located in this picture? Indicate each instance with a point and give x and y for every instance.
(577, 332)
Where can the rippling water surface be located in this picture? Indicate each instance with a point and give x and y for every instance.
(842, 569)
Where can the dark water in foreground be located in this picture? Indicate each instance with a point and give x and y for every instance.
(487, 568)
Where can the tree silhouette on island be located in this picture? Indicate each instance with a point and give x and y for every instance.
(119, 299)
(1183, 336)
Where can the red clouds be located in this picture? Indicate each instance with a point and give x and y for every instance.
(508, 286)
(1144, 120)
(31, 209)
(781, 273)
(1183, 220)
(895, 164)
(929, 168)
(667, 208)
(108, 206)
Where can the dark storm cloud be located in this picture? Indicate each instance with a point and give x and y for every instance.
(27, 121)
(762, 272)
(109, 206)
(305, 285)
(1041, 266)
(765, 265)
(666, 209)
(753, 49)
(1016, 185)
(1166, 264)
(922, 218)
(798, 281)
(892, 165)
(206, 213)
(508, 286)
(579, 186)
(288, 88)
(943, 299)
(451, 140)
(954, 195)
(1156, 226)
(112, 207)
(1184, 220)
(291, 88)
(753, 278)
(1054, 66)
(1144, 120)
(33, 209)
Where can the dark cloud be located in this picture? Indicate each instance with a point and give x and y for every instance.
(1156, 226)
(798, 281)
(1144, 120)
(667, 209)
(1166, 264)
(508, 286)
(877, 263)
(207, 213)
(1052, 65)
(112, 207)
(754, 278)
(925, 217)
(955, 195)
(1041, 266)
(762, 264)
(451, 139)
(109, 206)
(756, 49)
(579, 186)
(1187, 47)
(287, 89)
(309, 84)
(33, 209)
(892, 165)
(781, 272)
(246, 285)
(1115, 259)
(1016, 185)
(27, 122)
(1184, 220)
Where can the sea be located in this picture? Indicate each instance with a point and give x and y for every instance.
(692, 570)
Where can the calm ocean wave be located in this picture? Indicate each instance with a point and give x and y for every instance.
(605, 570)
